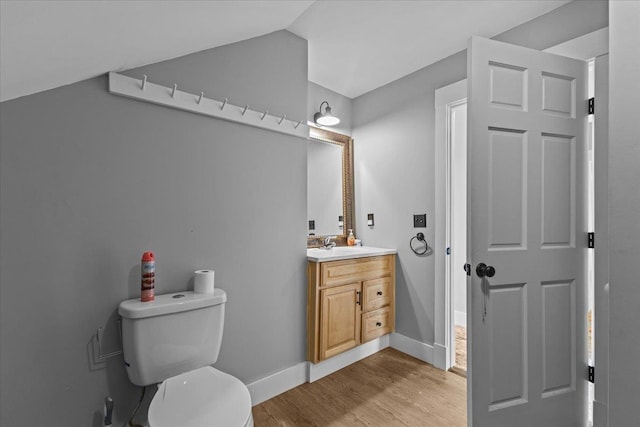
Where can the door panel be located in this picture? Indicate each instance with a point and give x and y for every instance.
(558, 94)
(507, 189)
(508, 87)
(508, 346)
(526, 124)
(558, 339)
(558, 191)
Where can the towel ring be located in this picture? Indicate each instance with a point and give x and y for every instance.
(420, 238)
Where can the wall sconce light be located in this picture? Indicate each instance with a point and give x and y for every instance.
(326, 118)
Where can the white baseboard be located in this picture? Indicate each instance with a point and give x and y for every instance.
(412, 347)
(460, 318)
(277, 383)
(329, 366)
(440, 356)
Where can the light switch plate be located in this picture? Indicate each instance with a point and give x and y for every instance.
(420, 220)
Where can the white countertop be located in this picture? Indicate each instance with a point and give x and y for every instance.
(346, 252)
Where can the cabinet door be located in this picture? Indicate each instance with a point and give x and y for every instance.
(339, 319)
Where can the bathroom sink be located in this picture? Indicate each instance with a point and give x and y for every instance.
(345, 252)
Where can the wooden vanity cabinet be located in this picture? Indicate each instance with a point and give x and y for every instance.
(349, 302)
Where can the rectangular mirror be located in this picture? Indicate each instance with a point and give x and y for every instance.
(329, 186)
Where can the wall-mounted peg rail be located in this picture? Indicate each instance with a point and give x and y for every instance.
(144, 90)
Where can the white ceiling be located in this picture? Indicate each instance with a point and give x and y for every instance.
(354, 46)
(357, 46)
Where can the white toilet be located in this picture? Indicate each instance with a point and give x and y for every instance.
(172, 341)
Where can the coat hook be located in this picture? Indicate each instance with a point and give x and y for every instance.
(224, 103)
(297, 124)
(284, 116)
(200, 97)
(264, 115)
(244, 110)
(173, 92)
(144, 81)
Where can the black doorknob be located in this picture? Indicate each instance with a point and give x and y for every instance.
(490, 271)
(483, 270)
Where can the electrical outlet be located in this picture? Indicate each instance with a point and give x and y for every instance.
(420, 221)
(312, 224)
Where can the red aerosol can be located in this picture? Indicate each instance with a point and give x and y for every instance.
(148, 283)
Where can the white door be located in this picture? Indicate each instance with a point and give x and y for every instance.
(526, 187)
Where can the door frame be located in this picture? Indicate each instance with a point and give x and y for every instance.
(601, 227)
(446, 98)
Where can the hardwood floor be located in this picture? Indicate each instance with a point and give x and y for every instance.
(461, 348)
(388, 388)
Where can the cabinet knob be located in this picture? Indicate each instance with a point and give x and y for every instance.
(378, 324)
(379, 292)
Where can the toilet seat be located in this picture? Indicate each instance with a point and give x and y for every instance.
(199, 398)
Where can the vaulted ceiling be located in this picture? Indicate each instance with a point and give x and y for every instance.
(354, 46)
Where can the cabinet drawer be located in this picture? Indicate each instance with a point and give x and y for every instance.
(376, 323)
(360, 269)
(376, 293)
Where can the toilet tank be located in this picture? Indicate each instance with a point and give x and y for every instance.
(173, 334)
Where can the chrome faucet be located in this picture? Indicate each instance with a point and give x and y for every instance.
(328, 244)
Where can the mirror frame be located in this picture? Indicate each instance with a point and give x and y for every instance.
(346, 143)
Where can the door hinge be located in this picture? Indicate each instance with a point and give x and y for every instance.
(592, 105)
(591, 240)
(591, 374)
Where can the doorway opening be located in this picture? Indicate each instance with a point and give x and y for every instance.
(451, 131)
(456, 227)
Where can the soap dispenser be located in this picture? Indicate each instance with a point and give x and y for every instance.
(351, 239)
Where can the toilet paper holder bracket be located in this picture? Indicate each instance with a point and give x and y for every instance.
(99, 356)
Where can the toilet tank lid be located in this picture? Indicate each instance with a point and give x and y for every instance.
(170, 303)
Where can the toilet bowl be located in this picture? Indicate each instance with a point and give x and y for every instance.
(204, 397)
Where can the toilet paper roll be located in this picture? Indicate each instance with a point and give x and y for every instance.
(203, 281)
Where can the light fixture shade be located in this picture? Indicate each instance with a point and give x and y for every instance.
(327, 118)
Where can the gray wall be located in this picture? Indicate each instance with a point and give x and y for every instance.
(624, 213)
(90, 180)
(393, 130)
(393, 133)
